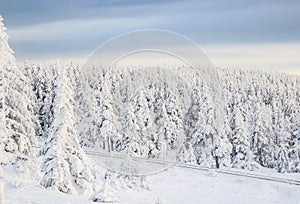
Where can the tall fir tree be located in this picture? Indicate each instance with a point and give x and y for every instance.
(65, 166)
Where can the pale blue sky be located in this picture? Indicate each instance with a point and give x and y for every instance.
(233, 32)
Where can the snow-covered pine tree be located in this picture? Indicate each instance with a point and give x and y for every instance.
(241, 154)
(174, 130)
(167, 119)
(19, 133)
(108, 122)
(93, 107)
(282, 156)
(294, 150)
(6, 57)
(65, 166)
(262, 138)
(86, 107)
(198, 127)
(226, 132)
(136, 123)
(145, 121)
(88, 111)
(222, 147)
(42, 83)
(130, 140)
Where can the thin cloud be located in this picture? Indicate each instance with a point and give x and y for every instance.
(68, 28)
(269, 56)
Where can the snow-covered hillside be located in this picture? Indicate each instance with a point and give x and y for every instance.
(51, 113)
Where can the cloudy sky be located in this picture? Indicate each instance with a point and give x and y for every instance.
(234, 33)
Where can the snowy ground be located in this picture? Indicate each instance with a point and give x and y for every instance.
(177, 185)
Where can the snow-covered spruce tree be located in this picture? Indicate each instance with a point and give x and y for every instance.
(42, 83)
(135, 125)
(65, 166)
(101, 122)
(222, 147)
(262, 144)
(241, 155)
(167, 120)
(283, 161)
(20, 114)
(95, 117)
(228, 112)
(294, 149)
(107, 127)
(173, 121)
(18, 134)
(197, 127)
(6, 58)
(129, 142)
(145, 122)
(211, 148)
(87, 109)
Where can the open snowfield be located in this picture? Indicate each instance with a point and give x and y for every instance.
(176, 185)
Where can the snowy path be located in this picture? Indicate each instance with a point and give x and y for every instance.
(261, 176)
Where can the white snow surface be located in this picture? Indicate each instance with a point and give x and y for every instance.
(176, 185)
